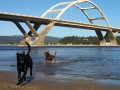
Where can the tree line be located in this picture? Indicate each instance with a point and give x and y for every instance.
(15, 39)
(83, 40)
(54, 40)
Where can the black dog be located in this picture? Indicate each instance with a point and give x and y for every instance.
(23, 63)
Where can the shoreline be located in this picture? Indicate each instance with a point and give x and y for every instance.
(58, 45)
(40, 81)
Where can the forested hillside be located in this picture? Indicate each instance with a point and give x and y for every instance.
(83, 40)
(17, 38)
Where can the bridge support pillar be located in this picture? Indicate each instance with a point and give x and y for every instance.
(115, 34)
(28, 39)
(36, 26)
(31, 28)
(40, 40)
(26, 36)
(21, 29)
(29, 36)
(101, 38)
(112, 38)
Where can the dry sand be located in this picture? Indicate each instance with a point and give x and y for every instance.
(40, 81)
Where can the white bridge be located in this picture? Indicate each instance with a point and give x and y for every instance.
(111, 32)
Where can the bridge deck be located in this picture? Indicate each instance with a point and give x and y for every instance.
(64, 23)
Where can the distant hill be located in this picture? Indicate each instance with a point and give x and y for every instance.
(50, 39)
(18, 38)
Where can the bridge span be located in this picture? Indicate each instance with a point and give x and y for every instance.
(64, 23)
(111, 32)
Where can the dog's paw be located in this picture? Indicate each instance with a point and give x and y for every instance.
(24, 79)
(18, 83)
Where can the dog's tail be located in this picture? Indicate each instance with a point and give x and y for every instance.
(29, 48)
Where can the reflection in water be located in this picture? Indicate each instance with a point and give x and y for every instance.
(49, 68)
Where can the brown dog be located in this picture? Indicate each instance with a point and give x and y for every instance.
(49, 57)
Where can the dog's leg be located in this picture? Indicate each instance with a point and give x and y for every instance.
(51, 60)
(45, 60)
(31, 69)
(54, 59)
(19, 76)
(24, 76)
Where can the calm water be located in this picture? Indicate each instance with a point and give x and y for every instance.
(98, 63)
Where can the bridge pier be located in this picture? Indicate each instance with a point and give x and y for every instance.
(112, 38)
(40, 40)
(31, 28)
(36, 27)
(21, 29)
(28, 39)
(26, 36)
(110, 35)
(101, 38)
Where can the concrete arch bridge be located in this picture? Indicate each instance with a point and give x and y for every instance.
(111, 32)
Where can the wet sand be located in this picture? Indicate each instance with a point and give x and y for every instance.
(41, 81)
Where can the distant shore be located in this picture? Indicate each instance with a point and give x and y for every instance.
(8, 44)
(51, 45)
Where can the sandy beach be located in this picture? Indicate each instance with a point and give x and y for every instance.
(41, 81)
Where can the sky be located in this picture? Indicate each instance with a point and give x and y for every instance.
(110, 8)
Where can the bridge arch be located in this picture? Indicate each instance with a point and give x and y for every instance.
(102, 38)
(75, 3)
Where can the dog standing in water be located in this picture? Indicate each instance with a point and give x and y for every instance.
(50, 57)
(24, 61)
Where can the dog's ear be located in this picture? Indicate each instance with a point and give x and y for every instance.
(24, 52)
(17, 53)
